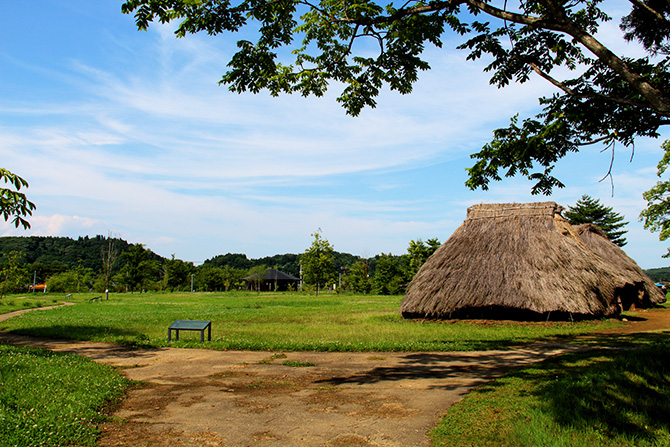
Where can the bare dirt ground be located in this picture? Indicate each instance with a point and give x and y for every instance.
(199, 397)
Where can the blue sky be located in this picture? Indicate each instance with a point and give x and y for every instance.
(127, 133)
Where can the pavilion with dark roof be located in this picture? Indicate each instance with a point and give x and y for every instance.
(272, 281)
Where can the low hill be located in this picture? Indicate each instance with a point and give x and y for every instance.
(659, 274)
(64, 253)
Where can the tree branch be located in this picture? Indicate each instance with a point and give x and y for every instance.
(563, 24)
(650, 10)
(655, 97)
(572, 93)
(609, 171)
(511, 16)
(402, 13)
(597, 140)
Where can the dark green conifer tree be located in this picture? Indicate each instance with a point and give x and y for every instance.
(588, 210)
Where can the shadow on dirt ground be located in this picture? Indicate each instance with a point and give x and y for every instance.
(197, 397)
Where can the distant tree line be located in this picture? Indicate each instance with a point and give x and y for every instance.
(384, 274)
(324, 268)
(101, 263)
(659, 274)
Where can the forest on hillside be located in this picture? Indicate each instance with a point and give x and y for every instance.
(56, 254)
(99, 263)
(659, 274)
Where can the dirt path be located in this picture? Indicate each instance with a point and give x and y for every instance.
(194, 397)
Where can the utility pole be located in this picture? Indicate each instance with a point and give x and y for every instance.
(108, 259)
(300, 282)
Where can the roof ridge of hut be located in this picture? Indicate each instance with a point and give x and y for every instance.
(507, 210)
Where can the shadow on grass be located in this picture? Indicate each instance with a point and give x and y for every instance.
(622, 391)
(469, 368)
(75, 332)
(126, 342)
(617, 340)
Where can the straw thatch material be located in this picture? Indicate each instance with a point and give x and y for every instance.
(596, 239)
(521, 261)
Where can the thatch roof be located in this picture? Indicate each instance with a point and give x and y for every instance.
(522, 261)
(597, 240)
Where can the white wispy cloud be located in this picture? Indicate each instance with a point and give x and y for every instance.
(138, 139)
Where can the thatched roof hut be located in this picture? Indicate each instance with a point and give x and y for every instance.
(648, 293)
(520, 261)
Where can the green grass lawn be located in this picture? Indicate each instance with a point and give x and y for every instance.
(279, 322)
(603, 397)
(50, 399)
(17, 302)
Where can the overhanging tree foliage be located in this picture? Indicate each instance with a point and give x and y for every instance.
(656, 216)
(612, 97)
(15, 205)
